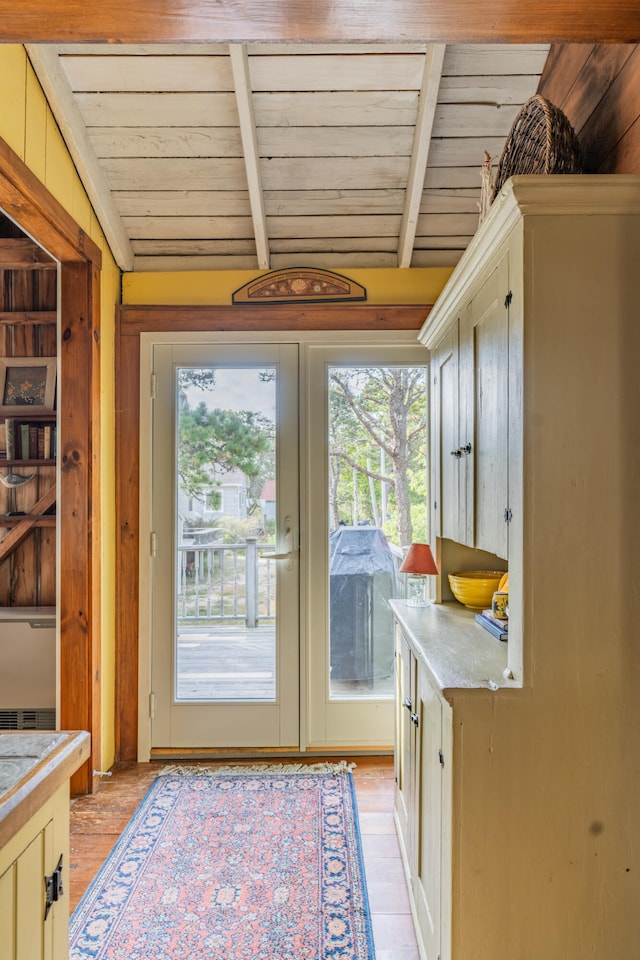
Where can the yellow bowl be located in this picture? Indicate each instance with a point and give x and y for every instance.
(475, 588)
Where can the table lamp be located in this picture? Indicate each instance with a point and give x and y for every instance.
(419, 563)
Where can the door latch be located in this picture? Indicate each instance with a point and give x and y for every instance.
(287, 553)
(53, 888)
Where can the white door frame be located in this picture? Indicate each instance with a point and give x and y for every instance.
(362, 339)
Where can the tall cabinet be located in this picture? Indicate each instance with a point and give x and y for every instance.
(535, 343)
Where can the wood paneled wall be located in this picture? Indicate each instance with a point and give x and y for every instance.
(38, 214)
(598, 88)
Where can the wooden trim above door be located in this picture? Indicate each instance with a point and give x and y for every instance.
(131, 321)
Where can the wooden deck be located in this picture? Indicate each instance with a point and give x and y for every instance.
(225, 661)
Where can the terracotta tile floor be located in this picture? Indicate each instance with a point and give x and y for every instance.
(97, 822)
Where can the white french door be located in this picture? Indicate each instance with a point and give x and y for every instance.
(366, 500)
(224, 616)
(277, 517)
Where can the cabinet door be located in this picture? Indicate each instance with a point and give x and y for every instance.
(7, 915)
(427, 887)
(485, 347)
(405, 671)
(447, 477)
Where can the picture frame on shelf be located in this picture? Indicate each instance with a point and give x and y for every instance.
(27, 385)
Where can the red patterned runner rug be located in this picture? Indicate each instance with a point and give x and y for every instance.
(233, 864)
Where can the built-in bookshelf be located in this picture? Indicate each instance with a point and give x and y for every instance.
(28, 440)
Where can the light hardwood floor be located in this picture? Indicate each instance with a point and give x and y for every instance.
(97, 821)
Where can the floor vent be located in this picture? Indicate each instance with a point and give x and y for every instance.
(38, 719)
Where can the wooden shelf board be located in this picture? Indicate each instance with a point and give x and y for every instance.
(27, 463)
(35, 519)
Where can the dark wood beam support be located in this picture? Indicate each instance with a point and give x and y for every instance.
(128, 540)
(277, 316)
(30, 205)
(316, 21)
(25, 525)
(78, 514)
(24, 255)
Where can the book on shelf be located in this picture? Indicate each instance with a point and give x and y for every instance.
(497, 628)
(10, 439)
(26, 440)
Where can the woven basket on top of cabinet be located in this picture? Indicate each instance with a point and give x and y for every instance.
(541, 140)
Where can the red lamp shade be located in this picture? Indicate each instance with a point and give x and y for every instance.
(419, 559)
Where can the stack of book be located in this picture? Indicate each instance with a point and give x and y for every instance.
(498, 628)
(27, 440)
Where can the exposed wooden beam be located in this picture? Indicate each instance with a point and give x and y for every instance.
(28, 317)
(46, 63)
(316, 21)
(242, 83)
(36, 211)
(16, 254)
(434, 58)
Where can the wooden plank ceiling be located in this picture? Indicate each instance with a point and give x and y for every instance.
(269, 156)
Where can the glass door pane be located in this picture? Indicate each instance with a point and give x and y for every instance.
(226, 509)
(377, 507)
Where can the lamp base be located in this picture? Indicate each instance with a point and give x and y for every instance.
(416, 597)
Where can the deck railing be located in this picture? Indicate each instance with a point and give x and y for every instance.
(235, 581)
(226, 581)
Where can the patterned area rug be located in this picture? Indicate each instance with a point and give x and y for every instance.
(238, 865)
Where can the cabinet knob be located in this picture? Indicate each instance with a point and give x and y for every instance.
(407, 703)
(456, 453)
(466, 449)
(415, 719)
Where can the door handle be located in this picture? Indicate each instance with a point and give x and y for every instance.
(287, 537)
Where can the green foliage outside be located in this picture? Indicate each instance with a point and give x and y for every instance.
(377, 452)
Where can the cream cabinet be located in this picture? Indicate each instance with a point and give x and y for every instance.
(32, 856)
(539, 326)
(470, 371)
(34, 842)
(450, 449)
(422, 742)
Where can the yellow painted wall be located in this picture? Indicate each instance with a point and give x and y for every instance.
(419, 285)
(29, 128)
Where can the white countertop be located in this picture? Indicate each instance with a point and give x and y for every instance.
(34, 766)
(458, 653)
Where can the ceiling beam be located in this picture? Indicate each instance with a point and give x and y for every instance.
(316, 21)
(54, 82)
(427, 103)
(244, 100)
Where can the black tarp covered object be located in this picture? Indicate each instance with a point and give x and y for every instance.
(362, 580)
